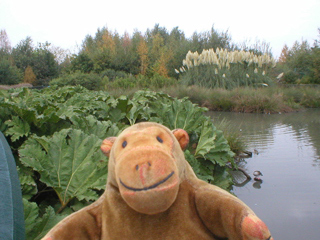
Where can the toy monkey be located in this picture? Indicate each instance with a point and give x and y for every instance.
(153, 193)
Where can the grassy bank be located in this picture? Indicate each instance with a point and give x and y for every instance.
(249, 100)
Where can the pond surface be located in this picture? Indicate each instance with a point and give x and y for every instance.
(286, 149)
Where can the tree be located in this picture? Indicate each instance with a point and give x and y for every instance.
(301, 63)
(9, 74)
(82, 63)
(44, 65)
(23, 53)
(104, 52)
(160, 66)
(143, 55)
(157, 44)
(284, 54)
(5, 45)
(29, 76)
(215, 39)
(126, 42)
(178, 46)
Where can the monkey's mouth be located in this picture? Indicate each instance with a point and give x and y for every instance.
(147, 188)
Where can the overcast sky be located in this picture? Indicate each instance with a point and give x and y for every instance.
(65, 23)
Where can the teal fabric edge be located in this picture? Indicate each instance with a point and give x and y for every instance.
(11, 206)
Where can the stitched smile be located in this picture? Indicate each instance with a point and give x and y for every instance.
(150, 187)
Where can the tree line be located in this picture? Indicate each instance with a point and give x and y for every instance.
(157, 53)
(301, 63)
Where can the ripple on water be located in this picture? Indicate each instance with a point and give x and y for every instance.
(288, 154)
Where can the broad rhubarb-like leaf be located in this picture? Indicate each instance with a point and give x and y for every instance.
(206, 140)
(17, 128)
(70, 162)
(37, 226)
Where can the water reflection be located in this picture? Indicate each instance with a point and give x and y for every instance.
(288, 154)
(259, 129)
(257, 184)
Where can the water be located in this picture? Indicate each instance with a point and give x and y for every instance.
(287, 151)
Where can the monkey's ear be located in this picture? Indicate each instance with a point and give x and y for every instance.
(107, 145)
(182, 137)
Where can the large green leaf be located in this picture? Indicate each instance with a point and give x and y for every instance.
(70, 162)
(28, 185)
(184, 114)
(31, 215)
(221, 153)
(206, 140)
(206, 170)
(195, 164)
(222, 178)
(116, 115)
(3, 126)
(37, 226)
(90, 125)
(17, 128)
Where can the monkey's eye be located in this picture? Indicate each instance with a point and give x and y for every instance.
(124, 144)
(159, 139)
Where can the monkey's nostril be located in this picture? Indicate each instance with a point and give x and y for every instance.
(149, 164)
(137, 167)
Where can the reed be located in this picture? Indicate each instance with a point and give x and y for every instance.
(232, 135)
(226, 69)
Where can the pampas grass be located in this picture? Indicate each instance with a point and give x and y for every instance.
(226, 69)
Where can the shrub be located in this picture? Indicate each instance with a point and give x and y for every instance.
(91, 81)
(9, 74)
(119, 83)
(156, 81)
(113, 74)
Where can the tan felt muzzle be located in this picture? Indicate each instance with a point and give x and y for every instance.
(148, 179)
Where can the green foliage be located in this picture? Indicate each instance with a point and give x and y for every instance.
(90, 81)
(303, 96)
(17, 128)
(232, 135)
(301, 63)
(122, 83)
(69, 162)
(82, 63)
(107, 51)
(206, 139)
(36, 225)
(113, 74)
(9, 74)
(44, 65)
(40, 59)
(56, 133)
(155, 82)
(163, 53)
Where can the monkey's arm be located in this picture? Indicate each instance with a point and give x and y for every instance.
(84, 224)
(228, 217)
